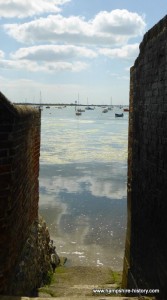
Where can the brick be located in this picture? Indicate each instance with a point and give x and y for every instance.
(147, 163)
(5, 168)
(3, 152)
(19, 156)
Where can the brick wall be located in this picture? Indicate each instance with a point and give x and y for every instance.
(19, 169)
(145, 263)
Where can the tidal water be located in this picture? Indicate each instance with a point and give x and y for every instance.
(83, 175)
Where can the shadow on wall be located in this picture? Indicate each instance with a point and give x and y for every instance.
(145, 263)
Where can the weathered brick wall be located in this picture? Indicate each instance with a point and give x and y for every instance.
(145, 263)
(19, 169)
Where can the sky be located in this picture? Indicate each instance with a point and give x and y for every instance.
(62, 51)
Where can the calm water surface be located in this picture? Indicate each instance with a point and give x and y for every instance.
(83, 173)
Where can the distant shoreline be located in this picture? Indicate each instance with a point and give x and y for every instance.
(69, 104)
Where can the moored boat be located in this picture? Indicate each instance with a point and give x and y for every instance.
(80, 110)
(119, 115)
(126, 109)
(78, 113)
(77, 110)
(105, 110)
(89, 108)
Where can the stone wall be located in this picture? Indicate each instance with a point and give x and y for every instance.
(145, 264)
(36, 262)
(19, 194)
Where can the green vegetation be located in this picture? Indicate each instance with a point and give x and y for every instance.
(117, 276)
(49, 278)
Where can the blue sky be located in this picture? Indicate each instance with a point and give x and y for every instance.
(62, 48)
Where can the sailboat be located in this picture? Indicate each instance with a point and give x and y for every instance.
(105, 110)
(110, 107)
(89, 107)
(77, 111)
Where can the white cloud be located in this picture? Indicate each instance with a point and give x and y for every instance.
(125, 52)
(48, 58)
(2, 54)
(33, 66)
(98, 188)
(64, 40)
(53, 53)
(29, 8)
(119, 22)
(107, 28)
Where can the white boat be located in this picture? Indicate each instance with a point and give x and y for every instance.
(77, 110)
(105, 110)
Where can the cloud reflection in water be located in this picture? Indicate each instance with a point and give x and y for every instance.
(83, 185)
(87, 209)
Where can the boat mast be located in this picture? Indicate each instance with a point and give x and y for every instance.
(78, 98)
(40, 99)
